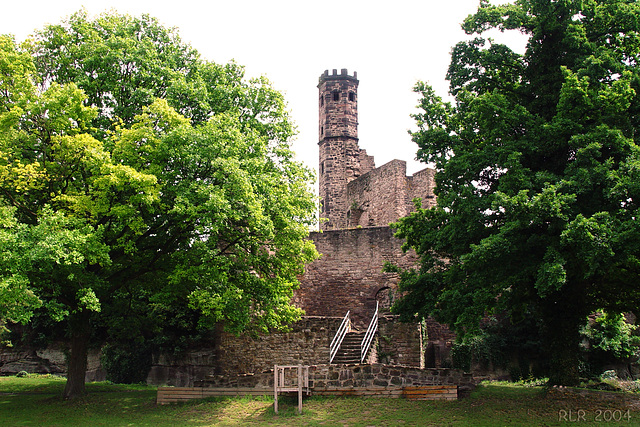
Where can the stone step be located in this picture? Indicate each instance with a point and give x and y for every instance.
(349, 351)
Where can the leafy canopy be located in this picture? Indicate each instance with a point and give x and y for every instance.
(538, 172)
(139, 183)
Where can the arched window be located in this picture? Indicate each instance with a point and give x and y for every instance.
(336, 96)
(352, 97)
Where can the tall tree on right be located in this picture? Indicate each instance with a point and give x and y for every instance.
(538, 175)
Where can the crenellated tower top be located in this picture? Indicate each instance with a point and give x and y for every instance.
(344, 75)
(340, 159)
(338, 105)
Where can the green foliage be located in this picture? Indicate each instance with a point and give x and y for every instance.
(139, 182)
(537, 171)
(502, 344)
(126, 363)
(612, 336)
(462, 356)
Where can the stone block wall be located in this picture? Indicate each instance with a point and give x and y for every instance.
(306, 343)
(399, 343)
(378, 197)
(348, 276)
(374, 376)
(422, 185)
(379, 375)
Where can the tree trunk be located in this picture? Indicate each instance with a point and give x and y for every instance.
(77, 363)
(562, 339)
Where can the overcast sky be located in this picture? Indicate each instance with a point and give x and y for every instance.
(391, 44)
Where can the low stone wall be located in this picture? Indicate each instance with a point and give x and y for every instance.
(377, 375)
(399, 343)
(306, 343)
(329, 377)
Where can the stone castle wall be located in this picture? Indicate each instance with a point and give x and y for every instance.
(422, 185)
(385, 194)
(306, 343)
(348, 276)
(373, 376)
(341, 161)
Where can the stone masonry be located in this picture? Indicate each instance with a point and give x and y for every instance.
(348, 275)
(358, 201)
(352, 191)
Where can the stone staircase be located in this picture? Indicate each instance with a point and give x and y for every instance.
(349, 351)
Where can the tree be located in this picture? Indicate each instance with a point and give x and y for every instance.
(538, 173)
(114, 205)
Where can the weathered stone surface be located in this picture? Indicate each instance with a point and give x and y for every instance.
(348, 276)
(353, 191)
(345, 376)
(46, 361)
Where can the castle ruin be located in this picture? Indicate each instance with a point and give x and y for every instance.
(358, 201)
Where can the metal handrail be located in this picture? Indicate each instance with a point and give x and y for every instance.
(345, 327)
(368, 337)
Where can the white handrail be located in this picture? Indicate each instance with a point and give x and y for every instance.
(368, 337)
(345, 327)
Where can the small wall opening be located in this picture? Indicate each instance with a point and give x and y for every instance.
(336, 96)
(352, 97)
(384, 296)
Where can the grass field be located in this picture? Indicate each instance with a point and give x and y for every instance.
(35, 401)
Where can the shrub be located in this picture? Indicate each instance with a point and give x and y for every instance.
(126, 363)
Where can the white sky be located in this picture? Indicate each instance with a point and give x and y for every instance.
(391, 44)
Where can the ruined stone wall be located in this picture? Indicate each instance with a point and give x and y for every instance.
(348, 275)
(385, 194)
(341, 161)
(379, 197)
(399, 343)
(422, 185)
(374, 376)
(306, 343)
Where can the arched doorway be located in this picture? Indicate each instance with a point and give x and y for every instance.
(384, 297)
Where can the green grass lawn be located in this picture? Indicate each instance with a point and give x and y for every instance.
(36, 401)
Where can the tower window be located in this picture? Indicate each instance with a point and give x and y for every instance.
(336, 96)
(352, 96)
(322, 101)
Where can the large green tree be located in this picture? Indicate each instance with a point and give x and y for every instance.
(137, 178)
(538, 174)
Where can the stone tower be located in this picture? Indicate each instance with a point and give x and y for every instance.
(341, 160)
